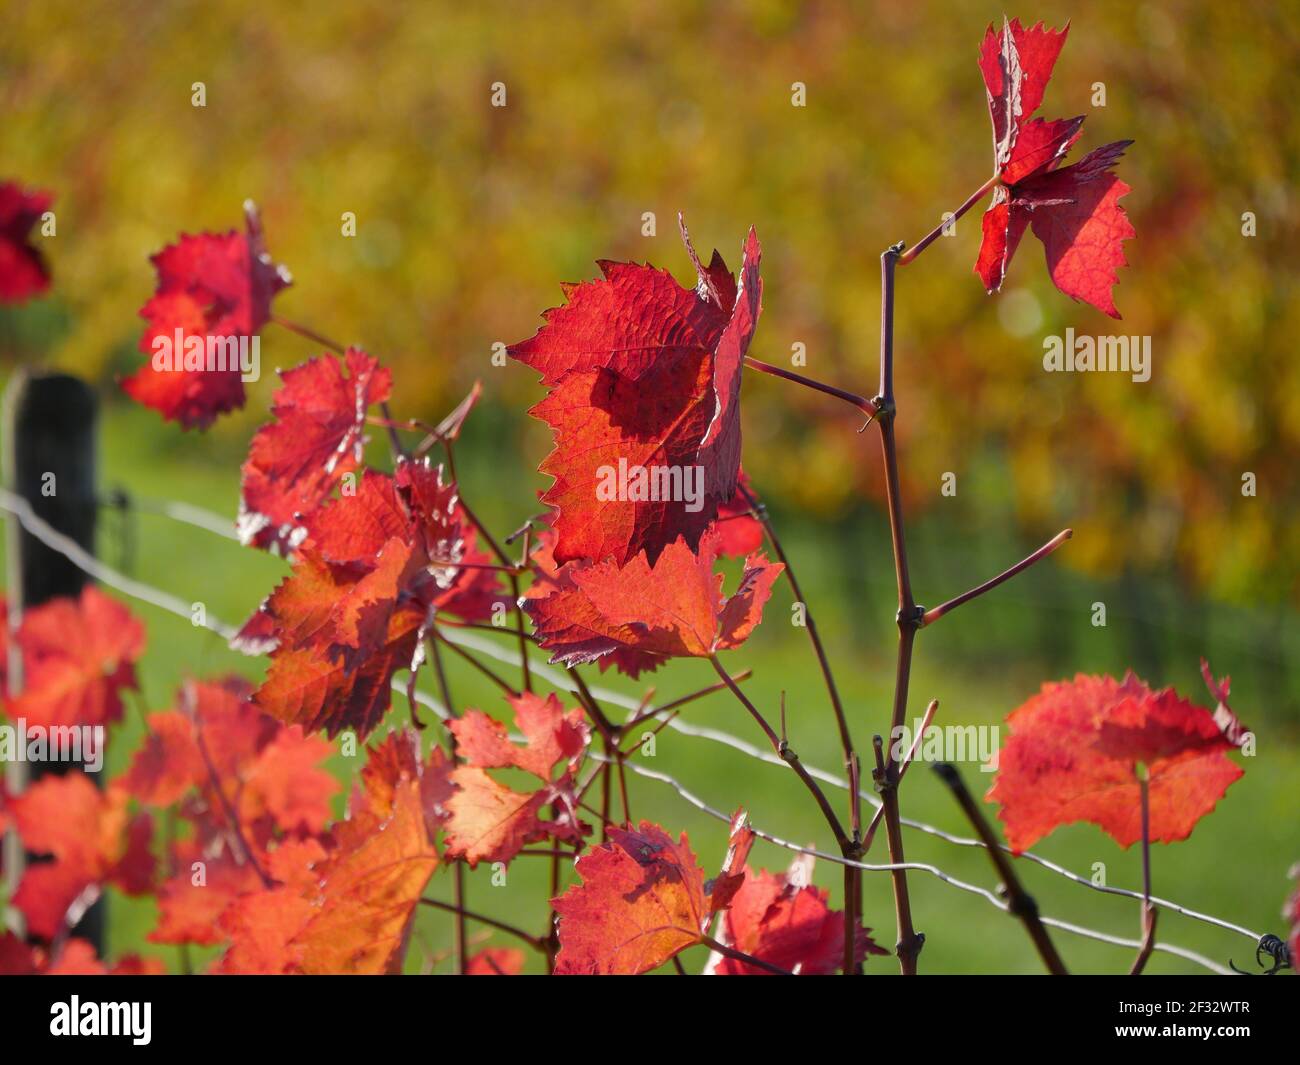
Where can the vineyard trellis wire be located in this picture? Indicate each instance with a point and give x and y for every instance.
(198, 517)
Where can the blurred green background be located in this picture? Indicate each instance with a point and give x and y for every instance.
(469, 216)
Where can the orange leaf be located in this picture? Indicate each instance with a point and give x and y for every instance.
(1074, 753)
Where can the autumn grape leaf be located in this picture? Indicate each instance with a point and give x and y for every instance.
(548, 578)
(375, 566)
(785, 920)
(1075, 751)
(1017, 65)
(92, 838)
(1074, 210)
(317, 437)
(642, 900)
(672, 608)
(489, 821)
(211, 287)
(191, 903)
(739, 532)
(78, 656)
(345, 908)
(168, 764)
(644, 378)
(269, 776)
(23, 270)
(73, 957)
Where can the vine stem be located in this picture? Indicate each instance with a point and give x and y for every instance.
(787, 755)
(930, 711)
(908, 617)
(308, 334)
(491, 922)
(974, 198)
(227, 807)
(935, 613)
(460, 936)
(1149, 912)
(1020, 903)
(740, 955)
(866, 406)
(852, 874)
(655, 711)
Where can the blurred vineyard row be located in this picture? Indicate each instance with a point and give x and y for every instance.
(468, 216)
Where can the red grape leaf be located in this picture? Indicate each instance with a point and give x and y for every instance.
(644, 379)
(270, 775)
(168, 764)
(217, 285)
(1017, 64)
(551, 736)
(739, 532)
(1073, 756)
(287, 783)
(92, 838)
(75, 957)
(643, 900)
(375, 565)
(489, 821)
(312, 686)
(191, 903)
(548, 578)
(23, 271)
(786, 921)
(346, 908)
(673, 608)
(1074, 210)
(78, 654)
(317, 437)
(1232, 728)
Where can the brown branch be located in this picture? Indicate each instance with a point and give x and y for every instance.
(309, 334)
(486, 670)
(866, 406)
(655, 711)
(232, 815)
(740, 955)
(908, 617)
(902, 772)
(788, 756)
(935, 613)
(1019, 902)
(513, 577)
(1148, 911)
(491, 922)
(852, 874)
(974, 198)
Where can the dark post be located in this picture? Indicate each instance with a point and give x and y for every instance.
(49, 460)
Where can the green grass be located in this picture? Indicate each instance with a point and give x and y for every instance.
(980, 662)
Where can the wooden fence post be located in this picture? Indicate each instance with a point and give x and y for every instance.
(49, 430)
